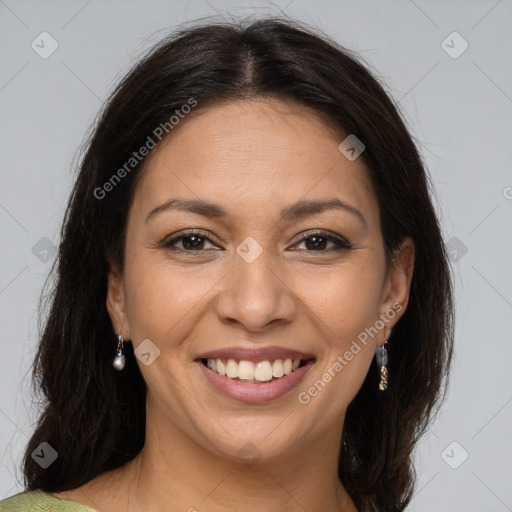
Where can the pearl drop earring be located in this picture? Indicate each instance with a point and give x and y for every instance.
(120, 359)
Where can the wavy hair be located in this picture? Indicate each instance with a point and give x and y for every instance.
(88, 406)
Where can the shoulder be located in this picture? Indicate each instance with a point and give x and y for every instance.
(38, 501)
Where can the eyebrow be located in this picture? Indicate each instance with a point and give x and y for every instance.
(300, 209)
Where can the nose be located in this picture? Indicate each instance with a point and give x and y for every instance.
(256, 294)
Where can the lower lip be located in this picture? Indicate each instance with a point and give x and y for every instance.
(256, 392)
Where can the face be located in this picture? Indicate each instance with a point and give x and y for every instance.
(223, 272)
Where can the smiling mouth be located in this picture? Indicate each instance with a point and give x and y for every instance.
(255, 371)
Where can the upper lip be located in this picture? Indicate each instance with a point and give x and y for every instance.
(255, 353)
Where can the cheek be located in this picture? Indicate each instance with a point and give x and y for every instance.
(343, 303)
(345, 299)
(164, 298)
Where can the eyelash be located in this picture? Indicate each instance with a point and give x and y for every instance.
(339, 242)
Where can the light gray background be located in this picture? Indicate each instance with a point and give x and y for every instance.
(459, 108)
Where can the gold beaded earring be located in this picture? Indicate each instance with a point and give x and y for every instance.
(381, 355)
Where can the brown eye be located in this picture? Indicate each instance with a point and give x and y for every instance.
(191, 242)
(318, 242)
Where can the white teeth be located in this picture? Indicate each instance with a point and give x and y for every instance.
(277, 368)
(232, 369)
(246, 370)
(221, 369)
(262, 371)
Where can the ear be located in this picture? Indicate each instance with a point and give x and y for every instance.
(116, 305)
(396, 290)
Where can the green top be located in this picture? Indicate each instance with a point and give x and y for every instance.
(39, 501)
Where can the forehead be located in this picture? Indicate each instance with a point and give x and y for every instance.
(248, 154)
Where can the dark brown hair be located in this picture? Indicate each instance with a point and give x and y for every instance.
(94, 417)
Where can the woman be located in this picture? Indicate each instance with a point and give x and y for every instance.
(253, 305)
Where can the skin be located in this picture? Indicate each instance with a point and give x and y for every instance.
(252, 157)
